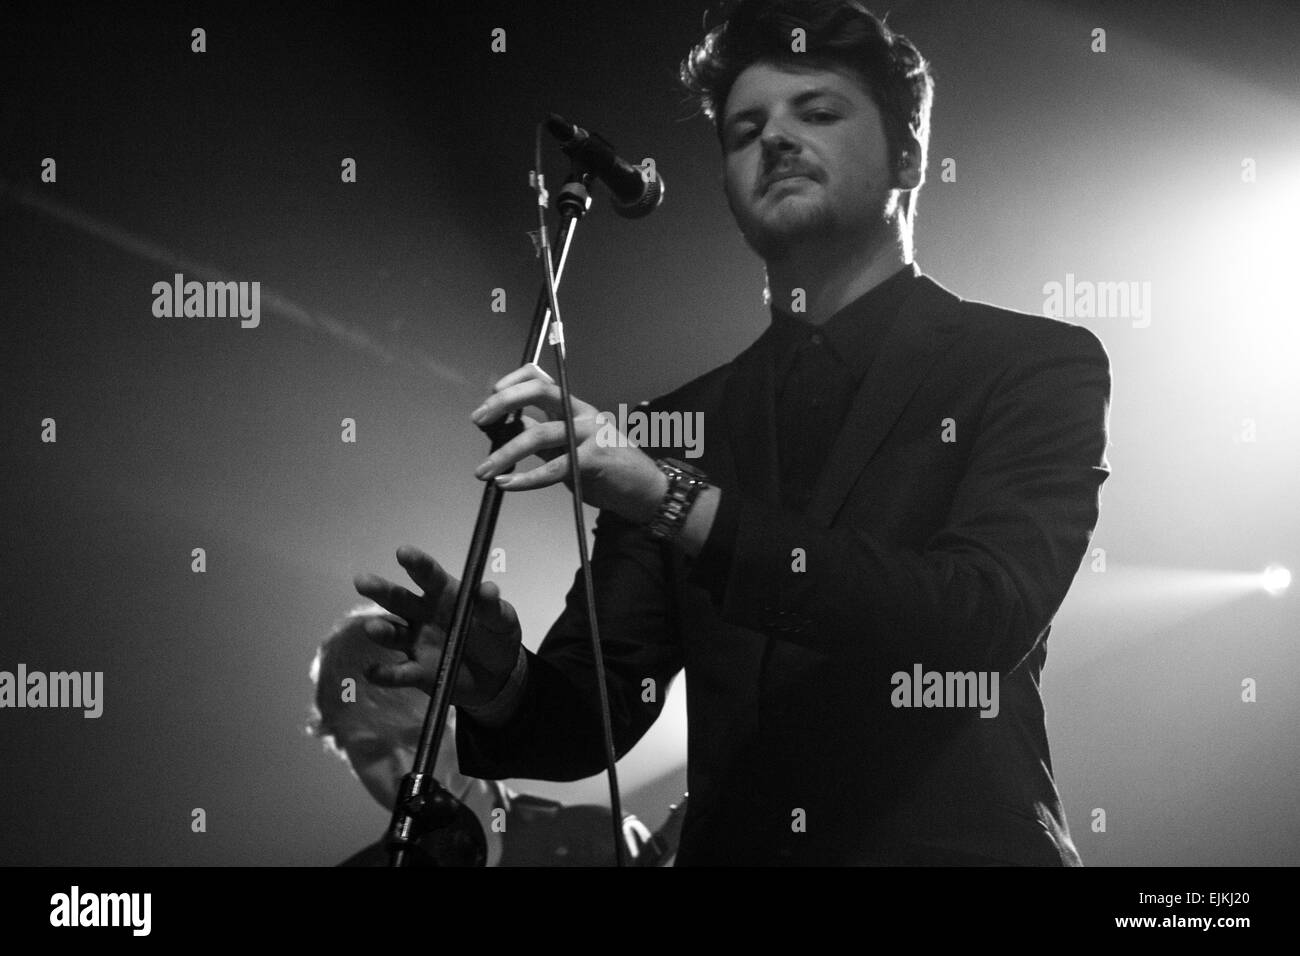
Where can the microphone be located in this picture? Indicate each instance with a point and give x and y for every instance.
(638, 190)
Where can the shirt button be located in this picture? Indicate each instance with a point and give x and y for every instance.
(816, 338)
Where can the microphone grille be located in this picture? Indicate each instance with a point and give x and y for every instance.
(647, 203)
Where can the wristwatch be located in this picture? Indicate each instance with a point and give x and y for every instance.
(684, 486)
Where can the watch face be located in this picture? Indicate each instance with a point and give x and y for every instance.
(682, 466)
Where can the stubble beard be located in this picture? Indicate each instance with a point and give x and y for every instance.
(795, 225)
(815, 231)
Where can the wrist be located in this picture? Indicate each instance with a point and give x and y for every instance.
(683, 485)
(655, 496)
(700, 521)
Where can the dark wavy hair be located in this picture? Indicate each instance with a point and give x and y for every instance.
(838, 32)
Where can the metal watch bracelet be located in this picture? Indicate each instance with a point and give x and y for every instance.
(684, 486)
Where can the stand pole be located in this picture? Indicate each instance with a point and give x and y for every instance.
(423, 804)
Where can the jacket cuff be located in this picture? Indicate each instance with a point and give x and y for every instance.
(499, 710)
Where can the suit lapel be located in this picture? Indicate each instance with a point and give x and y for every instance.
(924, 328)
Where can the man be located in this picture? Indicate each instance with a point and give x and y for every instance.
(376, 730)
(902, 483)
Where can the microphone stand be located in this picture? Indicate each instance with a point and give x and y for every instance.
(423, 805)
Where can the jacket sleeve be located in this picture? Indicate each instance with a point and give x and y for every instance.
(555, 733)
(984, 587)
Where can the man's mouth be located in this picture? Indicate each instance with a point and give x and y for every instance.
(775, 178)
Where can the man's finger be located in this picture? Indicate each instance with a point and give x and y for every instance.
(557, 469)
(522, 374)
(390, 596)
(546, 454)
(400, 674)
(519, 395)
(398, 637)
(538, 440)
(492, 612)
(424, 571)
(543, 395)
(439, 587)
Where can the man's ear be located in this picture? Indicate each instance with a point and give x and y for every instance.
(909, 168)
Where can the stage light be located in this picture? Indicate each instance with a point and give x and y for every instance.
(1275, 579)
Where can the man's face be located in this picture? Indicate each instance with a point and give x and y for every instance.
(805, 158)
(379, 761)
(381, 757)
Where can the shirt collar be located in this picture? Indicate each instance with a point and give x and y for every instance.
(852, 333)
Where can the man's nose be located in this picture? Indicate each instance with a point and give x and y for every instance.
(777, 141)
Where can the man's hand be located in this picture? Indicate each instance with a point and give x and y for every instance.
(615, 475)
(490, 653)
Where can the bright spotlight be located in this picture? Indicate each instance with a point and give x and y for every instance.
(1275, 579)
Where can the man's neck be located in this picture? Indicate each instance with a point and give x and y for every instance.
(825, 280)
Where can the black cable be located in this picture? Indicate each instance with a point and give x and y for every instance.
(556, 336)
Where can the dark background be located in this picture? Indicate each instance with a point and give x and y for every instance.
(181, 433)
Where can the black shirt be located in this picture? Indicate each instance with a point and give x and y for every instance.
(817, 371)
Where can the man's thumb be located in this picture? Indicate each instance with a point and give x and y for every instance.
(496, 614)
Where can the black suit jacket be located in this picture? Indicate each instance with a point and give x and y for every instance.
(954, 555)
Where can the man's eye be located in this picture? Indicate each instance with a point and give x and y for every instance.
(821, 116)
(743, 136)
